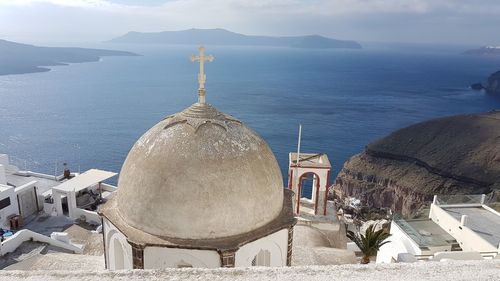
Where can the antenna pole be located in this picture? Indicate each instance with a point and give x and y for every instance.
(298, 145)
(297, 163)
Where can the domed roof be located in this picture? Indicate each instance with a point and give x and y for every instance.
(199, 174)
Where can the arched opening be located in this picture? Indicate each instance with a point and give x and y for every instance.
(263, 258)
(308, 187)
(306, 184)
(119, 255)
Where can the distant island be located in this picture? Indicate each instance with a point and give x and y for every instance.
(224, 37)
(17, 58)
(486, 50)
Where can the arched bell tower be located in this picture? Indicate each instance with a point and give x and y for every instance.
(317, 166)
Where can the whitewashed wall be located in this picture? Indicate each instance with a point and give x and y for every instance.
(118, 250)
(13, 208)
(161, 257)
(275, 243)
(400, 243)
(3, 176)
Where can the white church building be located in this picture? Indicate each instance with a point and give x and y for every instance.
(199, 189)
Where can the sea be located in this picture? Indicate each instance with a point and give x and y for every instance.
(89, 115)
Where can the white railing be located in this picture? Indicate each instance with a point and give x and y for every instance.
(89, 216)
(484, 255)
(461, 200)
(108, 187)
(24, 187)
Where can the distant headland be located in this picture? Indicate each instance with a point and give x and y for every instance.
(486, 50)
(224, 37)
(17, 58)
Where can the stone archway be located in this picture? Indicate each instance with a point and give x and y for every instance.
(314, 191)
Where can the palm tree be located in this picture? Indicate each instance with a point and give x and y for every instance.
(370, 243)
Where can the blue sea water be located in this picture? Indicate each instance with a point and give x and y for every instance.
(90, 114)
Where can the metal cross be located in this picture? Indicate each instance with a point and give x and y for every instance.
(202, 78)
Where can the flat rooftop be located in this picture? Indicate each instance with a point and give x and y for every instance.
(425, 232)
(319, 160)
(16, 180)
(484, 222)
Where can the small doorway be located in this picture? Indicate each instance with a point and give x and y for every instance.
(27, 203)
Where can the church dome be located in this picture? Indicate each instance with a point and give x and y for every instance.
(199, 174)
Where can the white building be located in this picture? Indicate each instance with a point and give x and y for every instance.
(199, 189)
(23, 194)
(458, 227)
(20, 192)
(8, 205)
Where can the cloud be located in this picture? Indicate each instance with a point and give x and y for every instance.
(349, 19)
(69, 3)
(294, 6)
(313, 7)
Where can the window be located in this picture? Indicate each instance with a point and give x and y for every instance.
(4, 203)
(228, 259)
(263, 258)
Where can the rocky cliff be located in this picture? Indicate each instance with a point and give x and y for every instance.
(493, 86)
(453, 155)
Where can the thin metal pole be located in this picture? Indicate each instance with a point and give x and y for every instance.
(297, 177)
(298, 144)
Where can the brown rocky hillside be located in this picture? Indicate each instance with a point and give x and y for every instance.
(452, 155)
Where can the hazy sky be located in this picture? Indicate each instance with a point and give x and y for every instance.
(475, 22)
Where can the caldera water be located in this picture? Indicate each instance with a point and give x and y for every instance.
(89, 115)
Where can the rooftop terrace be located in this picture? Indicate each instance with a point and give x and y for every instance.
(310, 159)
(425, 232)
(482, 221)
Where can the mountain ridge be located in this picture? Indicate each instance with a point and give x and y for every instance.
(219, 36)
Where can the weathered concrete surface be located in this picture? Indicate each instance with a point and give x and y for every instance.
(311, 247)
(453, 155)
(432, 271)
(60, 261)
(200, 174)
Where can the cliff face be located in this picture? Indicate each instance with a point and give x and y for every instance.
(493, 86)
(453, 155)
